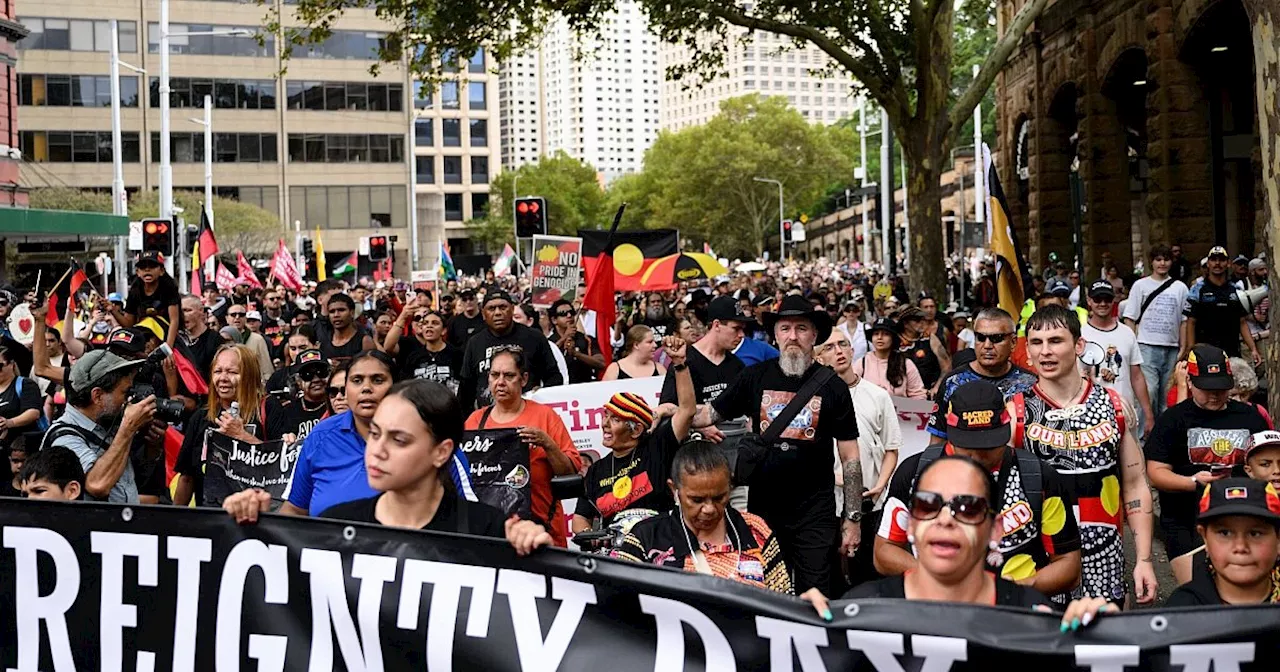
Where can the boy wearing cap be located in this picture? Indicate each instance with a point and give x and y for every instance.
(1239, 519)
(1214, 314)
(1196, 442)
(1262, 461)
(1113, 358)
(1040, 546)
(152, 294)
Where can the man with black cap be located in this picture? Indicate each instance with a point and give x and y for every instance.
(1239, 519)
(100, 423)
(1040, 546)
(503, 332)
(1203, 439)
(1240, 270)
(793, 487)
(927, 351)
(1214, 314)
(463, 325)
(1112, 357)
(711, 361)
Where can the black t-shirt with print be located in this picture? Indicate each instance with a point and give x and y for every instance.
(797, 476)
(1008, 593)
(709, 379)
(416, 361)
(453, 515)
(637, 481)
(579, 372)
(191, 456)
(142, 305)
(662, 327)
(1191, 439)
(276, 334)
(292, 417)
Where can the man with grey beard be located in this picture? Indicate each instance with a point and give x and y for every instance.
(793, 488)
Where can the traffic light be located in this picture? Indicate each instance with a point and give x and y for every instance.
(377, 248)
(307, 248)
(157, 235)
(193, 236)
(786, 230)
(531, 217)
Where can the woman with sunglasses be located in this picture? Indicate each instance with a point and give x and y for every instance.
(292, 417)
(337, 390)
(427, 355)
(886, 366)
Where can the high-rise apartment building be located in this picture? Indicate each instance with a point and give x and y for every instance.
(327, 144)
(767, 64)
(596, 99)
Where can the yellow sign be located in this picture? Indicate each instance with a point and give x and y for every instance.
(804, 219)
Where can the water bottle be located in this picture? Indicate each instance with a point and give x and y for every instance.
(235, 409)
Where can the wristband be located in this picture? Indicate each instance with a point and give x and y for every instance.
(679, 367)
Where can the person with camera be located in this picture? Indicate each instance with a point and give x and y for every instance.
(100, 423)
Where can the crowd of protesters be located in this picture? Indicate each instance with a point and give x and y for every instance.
(772, 455)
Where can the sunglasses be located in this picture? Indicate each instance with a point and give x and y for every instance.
(308, 376)
(996, 339)
(564, 313)
(236, 314)
(422, 318)
(967, 509)
(335, 391)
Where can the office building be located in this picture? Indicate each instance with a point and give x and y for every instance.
(11, 32)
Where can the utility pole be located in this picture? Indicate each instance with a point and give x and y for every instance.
(207, 122)
(782, 242)
(862, 138)
(119, 197)
(979, 171)
(887, 232)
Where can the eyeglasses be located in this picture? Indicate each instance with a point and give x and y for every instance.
(308, 376)
(335, 391)
(996, 339)
(564, 313)
(840, 345)
(967, 509)
(235, 314)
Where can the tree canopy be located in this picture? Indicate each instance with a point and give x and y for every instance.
(571, 187)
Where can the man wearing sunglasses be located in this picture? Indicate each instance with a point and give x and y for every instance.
(993, 336)
(1040, 542)
(582, 358)
(293, 418)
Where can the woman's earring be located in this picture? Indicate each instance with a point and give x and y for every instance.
(994, 557)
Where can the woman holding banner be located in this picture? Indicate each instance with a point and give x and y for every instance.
(551, 449)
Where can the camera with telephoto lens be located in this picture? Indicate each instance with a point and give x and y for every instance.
(169, 410)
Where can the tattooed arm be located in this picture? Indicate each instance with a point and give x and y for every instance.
(851, 529)
(1135, 492)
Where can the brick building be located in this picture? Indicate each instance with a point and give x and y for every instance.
(1135, 122)
(11, 32)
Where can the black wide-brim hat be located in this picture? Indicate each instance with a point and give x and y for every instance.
(798, 306)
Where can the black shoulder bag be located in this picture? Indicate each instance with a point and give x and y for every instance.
(749, 452)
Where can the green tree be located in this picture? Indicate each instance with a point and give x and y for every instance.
(238, 226)
(902, 52)
(571, 187)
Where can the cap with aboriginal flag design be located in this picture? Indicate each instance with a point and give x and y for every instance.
(1209, 369)
(1240, 497)
(977, 417)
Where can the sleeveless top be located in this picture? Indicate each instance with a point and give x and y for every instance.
(342, 352)
(1082, 443)
(623, 375)
(920, 351)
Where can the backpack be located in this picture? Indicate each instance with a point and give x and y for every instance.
(61, 429)
(42, 423)
(1029, 472)
(1020, 415)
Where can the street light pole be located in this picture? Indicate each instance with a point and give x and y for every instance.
(207, 122)
(862, 138)
(119, 203)
(782, 242)
(166, 166)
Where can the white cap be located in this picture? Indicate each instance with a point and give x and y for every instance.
(253, 315)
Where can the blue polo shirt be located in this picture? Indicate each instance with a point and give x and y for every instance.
(330, 468)
(751, 351)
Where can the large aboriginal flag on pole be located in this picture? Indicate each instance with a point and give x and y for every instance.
(600, 297)
(1013, 275)
(633, 253)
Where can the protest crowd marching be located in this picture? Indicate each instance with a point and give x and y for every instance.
(752, 424)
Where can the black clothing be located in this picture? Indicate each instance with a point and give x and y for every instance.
(337, 354)
(709, 379)
(276, 334)
(12, 405)
(292, 417)
(191, 456)
(278, 383)
(578, 371)
(462, 328)
(203, 349)
(141, 305)
(623, 375)
(662, 327)
(453, 515)
(1217, 312)
(473, 390)
(1191, 439)
(415, 361)
(1008, 594)
(920, 351)
(638, 481)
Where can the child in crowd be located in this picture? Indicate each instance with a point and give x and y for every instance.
(53, 473)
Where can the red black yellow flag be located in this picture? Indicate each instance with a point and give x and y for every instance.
(633, 253)
(63, 294)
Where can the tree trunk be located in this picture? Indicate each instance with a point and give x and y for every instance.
(928, 270)
(1264, 17)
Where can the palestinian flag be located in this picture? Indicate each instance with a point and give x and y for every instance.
(346, 266)
(633, 253)
(63, 295)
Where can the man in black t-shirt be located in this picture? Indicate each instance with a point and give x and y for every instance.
(711, 360)
(1214, 314)
(465, 324)
(1199, 441)
(201, 341)
(501, 331)
(152, 294)
(581, 355)
(793, 488)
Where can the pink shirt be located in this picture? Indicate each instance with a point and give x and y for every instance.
(875, 370)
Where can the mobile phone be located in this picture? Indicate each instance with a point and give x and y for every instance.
(1221, 468)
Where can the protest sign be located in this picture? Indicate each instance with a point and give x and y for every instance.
(232, 465)
(499, 468)
(556, 269)
(424, 280)
(581, 406)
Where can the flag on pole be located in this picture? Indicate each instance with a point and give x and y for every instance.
(63, 294)
(1013, 275)
(347, 265)
(247, 276)
(226, 281)
(502, 266)
(320, 262)
(447, 271)
(284, 268)
(206, 244)
(600, 295)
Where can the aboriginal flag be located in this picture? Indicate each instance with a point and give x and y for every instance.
(63, 295)
(1013, 274)
(632, 251)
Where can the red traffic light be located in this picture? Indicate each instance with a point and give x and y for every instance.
(151, 227)
(533, 207)
(522, 207)
(377, 240)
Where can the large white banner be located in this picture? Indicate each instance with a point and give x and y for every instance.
(913, 418)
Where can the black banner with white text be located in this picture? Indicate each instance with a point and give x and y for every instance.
(105, 587)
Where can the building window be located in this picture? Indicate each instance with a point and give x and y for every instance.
(451, 132)
(479, 170)
(421, 96)
(476, 64)
(453, 170)
(211, 45)
(343, 207)
(335, 96)
(77, 35)
(344, 45)
(449, 96)
(422, 133)
(339, 148)
(227, 147)
(227, 94)
(479, 205)
(453, 207)
(74, 91)
(424, 167)
(76, 147)
(476, 96)
(479, 132)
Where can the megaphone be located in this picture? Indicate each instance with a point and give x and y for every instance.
(1250, 298)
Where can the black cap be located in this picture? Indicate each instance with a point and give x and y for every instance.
(127, 342)
(1240, 259)
(725, 309)
(885, 324)
(1208, 368)
(1240, 497)
(467, 294)
(1056, 287)
(498, 295)
(797, 306)
(149, 257)
(309, 359)
(1101, 288)
(977, 418)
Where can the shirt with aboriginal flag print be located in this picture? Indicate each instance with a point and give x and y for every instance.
(637, 481)
(1030, 539)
